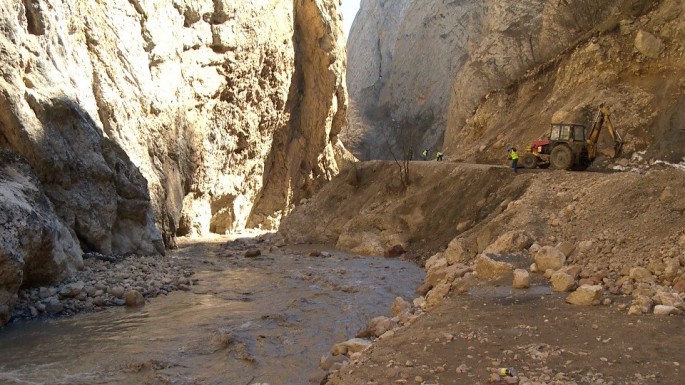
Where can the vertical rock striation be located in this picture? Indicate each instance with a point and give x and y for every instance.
(145, 119)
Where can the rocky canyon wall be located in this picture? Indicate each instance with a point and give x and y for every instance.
(417, 72)
(134, 121)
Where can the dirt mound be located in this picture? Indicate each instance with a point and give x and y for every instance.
(367, 209)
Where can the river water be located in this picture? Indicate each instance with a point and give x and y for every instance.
(248, 321)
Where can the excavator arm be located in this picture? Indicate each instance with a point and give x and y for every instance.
(603, 118)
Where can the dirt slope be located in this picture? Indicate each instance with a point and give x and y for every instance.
(627, 216)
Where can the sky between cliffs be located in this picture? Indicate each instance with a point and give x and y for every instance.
(349, 10)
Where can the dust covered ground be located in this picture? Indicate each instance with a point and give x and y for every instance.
(620, 233)
(545, 339)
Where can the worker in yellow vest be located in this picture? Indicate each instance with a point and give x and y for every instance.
(514, 156)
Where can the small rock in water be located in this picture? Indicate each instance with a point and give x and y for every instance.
(134, 299)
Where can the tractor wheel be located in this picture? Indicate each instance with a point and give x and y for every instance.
(530, 160)
(561, 158)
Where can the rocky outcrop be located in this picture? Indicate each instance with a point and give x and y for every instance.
(145, 119)
(37, 247)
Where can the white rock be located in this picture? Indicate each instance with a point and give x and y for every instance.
(666, 310)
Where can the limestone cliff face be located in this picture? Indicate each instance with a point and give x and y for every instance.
(145, 119)
(425, 46)
(442, 57)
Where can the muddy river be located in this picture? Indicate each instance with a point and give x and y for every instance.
(262, 320)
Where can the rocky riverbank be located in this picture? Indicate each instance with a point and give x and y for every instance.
(105, 281)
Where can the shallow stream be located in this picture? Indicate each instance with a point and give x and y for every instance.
(263, 320)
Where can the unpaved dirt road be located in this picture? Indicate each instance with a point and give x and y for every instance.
(534, 331)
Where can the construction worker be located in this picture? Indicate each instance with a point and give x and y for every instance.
(438, 156)
(424, 154)
(514, 156)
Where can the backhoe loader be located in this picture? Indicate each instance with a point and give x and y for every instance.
(568, 148)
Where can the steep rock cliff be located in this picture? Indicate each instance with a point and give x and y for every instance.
(445, 56)
(145, 119)
(634, 66)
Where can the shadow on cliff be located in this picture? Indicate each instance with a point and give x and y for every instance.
(93, 185)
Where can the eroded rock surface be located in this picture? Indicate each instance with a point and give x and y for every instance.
(146, 119)
(37, 247)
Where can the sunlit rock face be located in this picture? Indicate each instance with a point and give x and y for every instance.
(145, 119)
(418, 68)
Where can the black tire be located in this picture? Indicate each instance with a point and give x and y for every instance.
(529, 160)
(561, 158)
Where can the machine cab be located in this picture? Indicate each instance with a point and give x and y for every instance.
(567, 133)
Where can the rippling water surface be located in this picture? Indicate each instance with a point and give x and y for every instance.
(262, 320)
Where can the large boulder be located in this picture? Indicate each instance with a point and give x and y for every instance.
(586, 295)
(510, 242)
(458, 252)
(549, 257)
(487, 268)
(562, 281)
(36, 247)
(521, 279)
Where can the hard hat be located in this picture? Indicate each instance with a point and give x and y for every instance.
(509, 147)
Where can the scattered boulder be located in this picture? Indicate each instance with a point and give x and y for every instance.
(549, 257)
(487, 268)
(434, 260)
(400, 306)
(643, 303)
(457, 252)
(648, 44)
(670, 299)
(566, 247)
(436, 295)
(521, 279)
(510, 242)
(666, 310)
(133, 298)
(585, 296)
(563, 282)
